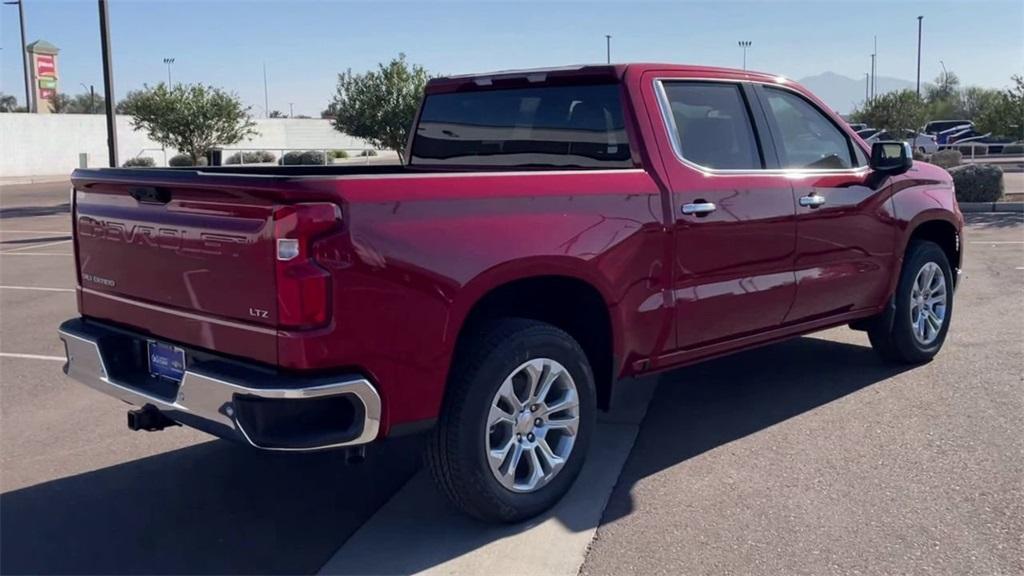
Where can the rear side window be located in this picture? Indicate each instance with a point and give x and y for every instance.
(713, 125)
(804, 136)
(569, 126)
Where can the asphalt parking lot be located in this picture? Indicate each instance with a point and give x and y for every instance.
(807, 457)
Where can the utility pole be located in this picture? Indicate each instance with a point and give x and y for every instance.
(92, 96)
(266, 94)
(291, 109)
(169, 61)
(745, 44)
(608, 48)
(874, 58)
(108, 82)
(24, 52)
(919, 19)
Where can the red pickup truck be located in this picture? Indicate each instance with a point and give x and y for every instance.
(550, 233)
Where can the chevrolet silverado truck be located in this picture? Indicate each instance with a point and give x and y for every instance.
(551, 234)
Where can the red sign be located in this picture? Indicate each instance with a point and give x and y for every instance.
(46, 94)
(44, 65)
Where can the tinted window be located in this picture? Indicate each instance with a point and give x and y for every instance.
(805, 137)
(713, 125)
(546, 126)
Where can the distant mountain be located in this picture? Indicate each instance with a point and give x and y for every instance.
(844, 94)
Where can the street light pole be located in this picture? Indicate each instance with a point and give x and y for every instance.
(169, 61)
(24, 52)
(874, 58)
(745, 44)
(92, 96)
(608, 48)
(291, 109)
(867, 96)
(108, 82)
(919, 19)
(266, 94)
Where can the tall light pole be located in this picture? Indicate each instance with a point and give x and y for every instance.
(169, 62)
(266, 93)
(867, 95)
(291, 109)
(874, 57)
(92, 96)
(745, 44)
(108, 82)
(24, 52)
(608, 48)
(919, 19)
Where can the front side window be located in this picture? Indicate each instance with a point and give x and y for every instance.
(569, 126)
(804, 136)
(713, 125)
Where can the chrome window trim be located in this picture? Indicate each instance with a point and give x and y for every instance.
(669, 124)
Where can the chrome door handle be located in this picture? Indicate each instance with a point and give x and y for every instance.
(699, 208)
(812, 200)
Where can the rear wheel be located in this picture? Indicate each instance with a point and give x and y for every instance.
(516, 423)
(922, 309)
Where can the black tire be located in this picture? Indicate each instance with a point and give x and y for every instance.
(892, 334)
(456, 451)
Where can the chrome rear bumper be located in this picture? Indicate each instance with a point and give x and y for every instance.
(266, 417)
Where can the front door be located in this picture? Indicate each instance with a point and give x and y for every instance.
(845, 230)
(734, 223)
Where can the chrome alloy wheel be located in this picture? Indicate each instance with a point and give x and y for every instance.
(928, 303)
(532, 425)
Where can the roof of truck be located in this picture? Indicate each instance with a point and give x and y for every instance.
(588, 71)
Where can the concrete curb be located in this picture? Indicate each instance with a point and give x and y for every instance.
(992, 206)
(16, 180)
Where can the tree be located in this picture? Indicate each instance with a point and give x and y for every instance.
(945, 89)
(1004, 115)
(894, 111)
(8, 103)
(60, 103)
(191, 118)
(974, 101)
(276, 114)
(379, 106)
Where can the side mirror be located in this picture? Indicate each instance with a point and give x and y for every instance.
(891, 158)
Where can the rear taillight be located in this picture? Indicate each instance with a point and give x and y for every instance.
(303, 287)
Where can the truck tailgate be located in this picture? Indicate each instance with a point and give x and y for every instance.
(187, 258)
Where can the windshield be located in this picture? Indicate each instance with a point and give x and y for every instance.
(566, 126)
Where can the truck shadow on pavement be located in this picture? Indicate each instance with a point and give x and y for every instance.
(216, 508)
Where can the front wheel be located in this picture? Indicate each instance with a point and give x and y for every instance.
(516, 423)
(923, 307)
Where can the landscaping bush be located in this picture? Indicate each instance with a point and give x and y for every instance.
(947, 158)
(139, 162)
(251, 157)
(364, 153)
(291, 158)
(185, 160)
(313, 157)
(918, 155)
(1013, 149)
(338, 154)
(978, 183)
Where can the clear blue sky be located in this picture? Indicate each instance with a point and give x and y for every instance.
(305, 44)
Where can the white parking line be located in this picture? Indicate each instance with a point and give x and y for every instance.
(32, 356)
(999, 242)
(44, 245)
(35, 254)
(41, 288)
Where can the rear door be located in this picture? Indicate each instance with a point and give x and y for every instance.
(844, 228)
(733, 221)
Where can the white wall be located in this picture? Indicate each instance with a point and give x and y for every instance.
(48, 144)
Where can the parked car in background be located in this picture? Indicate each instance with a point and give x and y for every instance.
(923, 143)
(942, 137)
(858, 126)
(936, 126)
(868, 132)
(552, 234)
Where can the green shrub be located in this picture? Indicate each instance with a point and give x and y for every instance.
(367, 152)
(251, 157)
(338, 154)
(947, 158)
(291, 158)
(978, 183)
(313, 157)
(139, 162)
(185, 160)
(1013, 149)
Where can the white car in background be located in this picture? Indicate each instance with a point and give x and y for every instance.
(923, 143)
